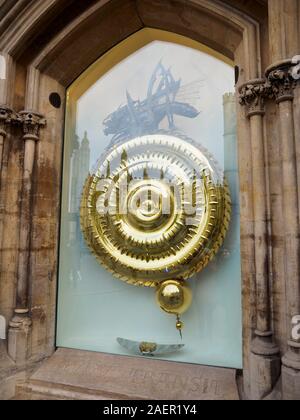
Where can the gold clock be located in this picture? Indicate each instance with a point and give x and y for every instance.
(155, 211)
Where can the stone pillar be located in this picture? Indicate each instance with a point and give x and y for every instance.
(20, 325)
(282, 81)
(230, 152)
(264, 358)
(284, 36)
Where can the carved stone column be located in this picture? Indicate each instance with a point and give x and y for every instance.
(282, 81)
(19, 331)
(265, 361)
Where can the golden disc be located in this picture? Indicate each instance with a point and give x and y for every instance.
(138, 218)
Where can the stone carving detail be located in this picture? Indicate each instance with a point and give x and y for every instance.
(282, 84)
(253, 94)
(279, 84)
(7, 116)
(31, 122)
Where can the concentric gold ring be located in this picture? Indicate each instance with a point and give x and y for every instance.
(152, 230)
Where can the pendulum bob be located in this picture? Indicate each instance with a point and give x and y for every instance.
(174, 297)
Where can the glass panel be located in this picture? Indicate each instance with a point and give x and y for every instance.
(174, 87)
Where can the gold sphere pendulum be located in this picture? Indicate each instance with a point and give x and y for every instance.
(174, 297)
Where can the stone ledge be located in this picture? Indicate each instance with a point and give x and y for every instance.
(82, 375)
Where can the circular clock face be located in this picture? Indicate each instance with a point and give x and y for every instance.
(156, 208)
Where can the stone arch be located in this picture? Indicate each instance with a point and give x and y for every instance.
(216, 25)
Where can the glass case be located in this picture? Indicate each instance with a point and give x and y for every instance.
(155, 86)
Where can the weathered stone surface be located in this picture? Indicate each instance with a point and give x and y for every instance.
(12, 374)
(264, 372)
(8, 385)
(75, 374)
(290, 384)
